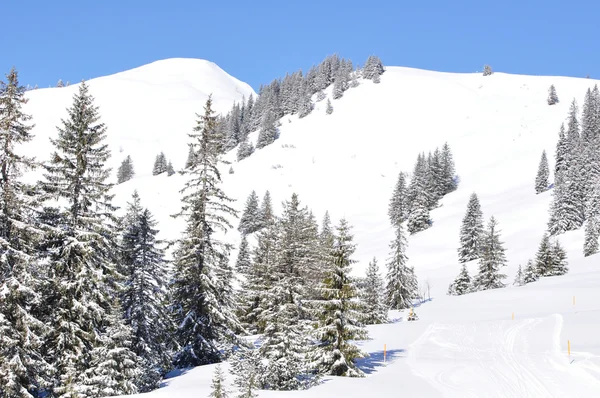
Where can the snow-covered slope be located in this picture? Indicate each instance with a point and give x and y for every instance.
(347, 163)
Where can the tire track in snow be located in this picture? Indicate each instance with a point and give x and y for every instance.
(496, 359)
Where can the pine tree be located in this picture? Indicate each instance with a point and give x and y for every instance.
(160, 164)
(339, 319)
(205, 321)
(491, 260)
(268, 130)
(23, 370)
(247, 369)
(125, 171)
(113, 366)
(487, 70)
(321, 95)
(471, 231)
(250, 221)
(60, 83)
(559, 263)
(552, 97)
(398, 208)
(541, 180)
(402, 285)
(80, 253)
(448, 169)
(592, 226)
(266, 210)
(245, 149)
(519, 278)
(531, 273)
(144, 295)
(170, 169)
(191, 158)
(560, 167)
(373, 67)
(418, 218)
(243, 263)
(373, 296)
(462, 283)
(218, 389)
(544, 260)
(329, 108)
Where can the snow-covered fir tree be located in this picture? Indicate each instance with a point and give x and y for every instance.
(448, 169)
(268, 130)
(401, 282)
(245, 148)
(217, 387)
(80, 251)
(125, 171)
(266, 210)
(487, 70)
(462, 283)
(552, 96)
(398, 208)
(283, 310)
(170, 169)
(560, 166)
(191, 158)
(519, 278)
(250, 221)
(144, 297)
(23, 370)
(339, 317)
(530, 274)
(247, 368)
(205, 322)
(243, 262)
(471, 231)
(592, 225)
(418, 218)
(373, 296)
(492, 259)
(60, 83)
(160, 164)
(113, 366)
(544, 260)
(373, 67)
(329, 108)
(560, 265)
(541, 179)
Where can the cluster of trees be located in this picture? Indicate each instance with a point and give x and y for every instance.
(288, 96)
(576, 193)
(161, 165)
(484, 244)
(433, 177)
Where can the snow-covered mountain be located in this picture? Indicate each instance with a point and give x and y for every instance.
(497, 127)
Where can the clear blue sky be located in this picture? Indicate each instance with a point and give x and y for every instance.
(257, 41)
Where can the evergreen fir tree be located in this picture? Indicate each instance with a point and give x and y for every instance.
(402, 285)
(398, 208)
(217, 388)
(519, 278)
(559, 263)
(113, 368)
(592, 225)
(243, 263)
(60, 83)
(250, 221)
(80, 253)
(160, 164)
(541, 180)
(321, 95)
(552, 97)
(491, 260)
(544, 260)
(339, 319)
(23, 370)
(487, 70)
(247, 369)
(191, 158)
(531, 273)
(462, 283)
(373, 296)
(329, 108)
(448, 167)
(245, 149)
(205, 321)
(266, 210)
(373, 67)
(418, 218)
(560, 167)
(268, 131)
(471, 231)
(144, 295)
(125, 171)
(170, 169)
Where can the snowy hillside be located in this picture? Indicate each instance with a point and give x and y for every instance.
(348, 162)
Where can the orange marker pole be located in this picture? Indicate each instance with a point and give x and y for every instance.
(569, 348)
(384, 353)
(513, 316)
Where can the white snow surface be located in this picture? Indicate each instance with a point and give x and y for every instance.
(347, 163)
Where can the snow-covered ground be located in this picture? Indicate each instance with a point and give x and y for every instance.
(347, 163)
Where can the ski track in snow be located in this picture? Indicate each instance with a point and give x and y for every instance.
(463, 360)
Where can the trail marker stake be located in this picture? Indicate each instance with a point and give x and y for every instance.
(384, 353)
(569, 348)
(513, 316)
(573, 300)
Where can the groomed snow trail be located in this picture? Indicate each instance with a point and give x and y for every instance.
(520, 358)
